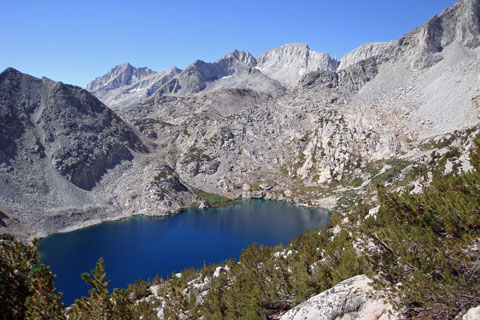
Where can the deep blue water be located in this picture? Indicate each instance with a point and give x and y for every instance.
(142, 247)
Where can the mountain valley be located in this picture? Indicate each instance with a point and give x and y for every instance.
(387, 137)
(292, 125)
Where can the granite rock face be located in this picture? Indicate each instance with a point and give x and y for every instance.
(290, 62)
(460, 24)
(364, 52)
(350, 299)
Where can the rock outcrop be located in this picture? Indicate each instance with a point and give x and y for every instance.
(472, 314)
(350, 299)
(365, 51)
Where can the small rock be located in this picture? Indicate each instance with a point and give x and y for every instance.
(219, 271)
(373, 212)
(265, 186)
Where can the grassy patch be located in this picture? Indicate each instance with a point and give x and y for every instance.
(213, 200)
(357, 182)
(397, 165)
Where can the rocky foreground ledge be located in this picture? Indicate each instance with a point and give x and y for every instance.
(353, 298)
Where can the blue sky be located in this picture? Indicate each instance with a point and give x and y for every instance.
(77, 41)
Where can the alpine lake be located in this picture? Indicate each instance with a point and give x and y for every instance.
(143, 247)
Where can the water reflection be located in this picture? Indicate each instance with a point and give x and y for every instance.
(272, 219)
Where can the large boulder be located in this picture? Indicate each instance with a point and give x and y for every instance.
(472, 314)
(350, 299)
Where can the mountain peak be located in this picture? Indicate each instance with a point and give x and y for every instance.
(299, 45)
(124, 67)
(120, 75)
(243, 56)
(364, 52)
(10, 72)
(460, 24)
(288, 63)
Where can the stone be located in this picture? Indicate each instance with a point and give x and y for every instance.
(373, 212)
(265, 186)
(472, 314)
(287, 193)
(350, 299)
(219, 271)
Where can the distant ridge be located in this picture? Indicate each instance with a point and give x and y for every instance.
(271, 74)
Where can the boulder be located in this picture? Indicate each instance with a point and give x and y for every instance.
(472, 314)
(350, 299)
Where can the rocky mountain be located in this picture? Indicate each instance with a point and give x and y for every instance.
(121, 75)
(332, 127)
(59, 147)
(364, 52)
(231, 127)
(271, 75)
(235, 70)
(125, 84)
(290, 62)
(292, 125)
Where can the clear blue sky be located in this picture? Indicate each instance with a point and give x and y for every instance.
(77, 41)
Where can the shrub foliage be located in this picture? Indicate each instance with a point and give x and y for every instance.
(427, 253)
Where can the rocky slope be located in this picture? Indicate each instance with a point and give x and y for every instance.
(229, 127)
(60, 146)
(308, 146)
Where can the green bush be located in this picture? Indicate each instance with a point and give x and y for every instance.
(213, 200)
(427, 240)
(424, 255)
(26, 290)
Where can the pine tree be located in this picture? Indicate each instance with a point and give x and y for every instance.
(16, 262)
(98, 305)
(43, 301)
(26, 291)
